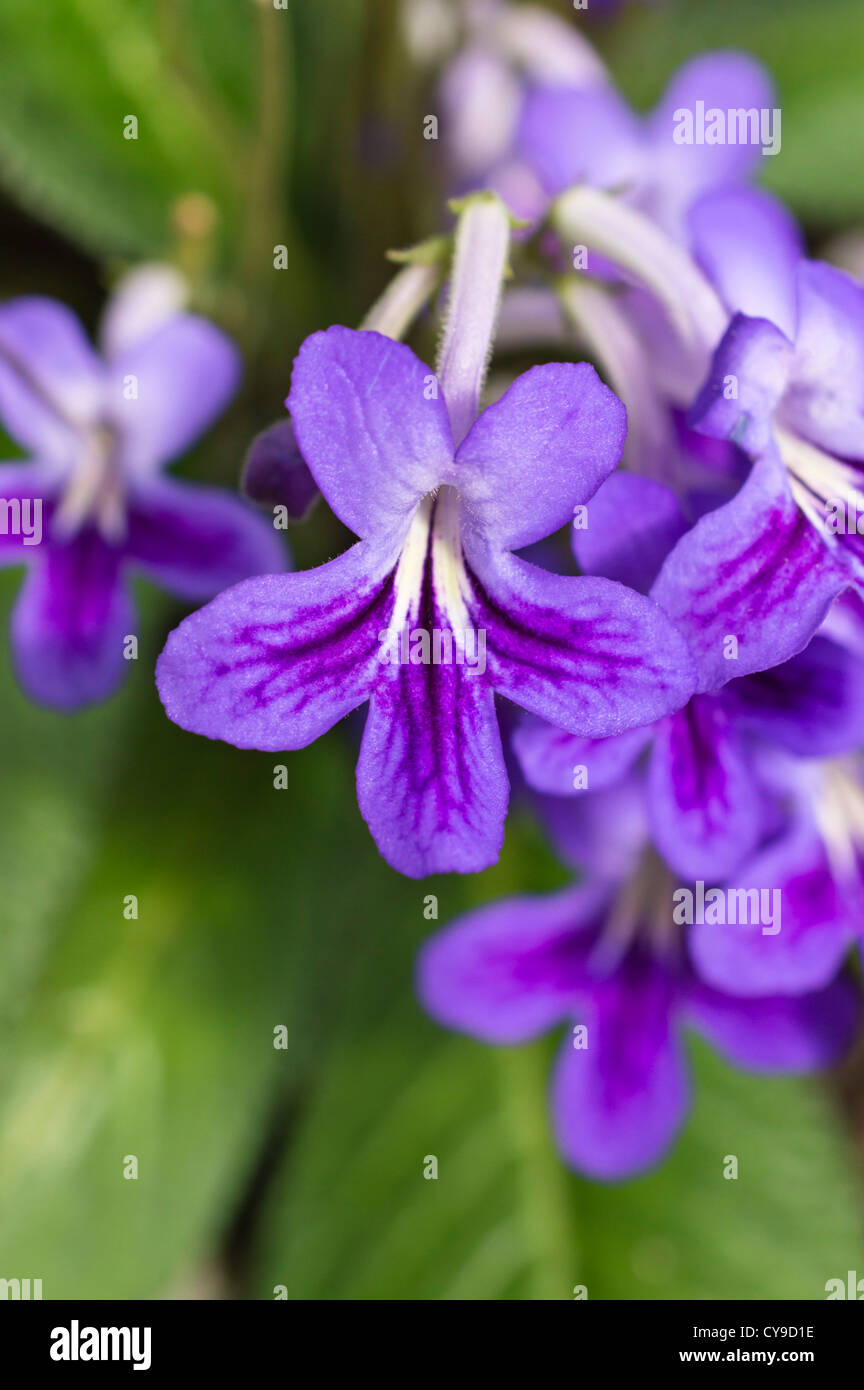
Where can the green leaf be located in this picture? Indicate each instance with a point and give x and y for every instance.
(67, 85)
(352, 1216)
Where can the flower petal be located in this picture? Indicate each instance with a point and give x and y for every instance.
(275, 661)
(545, 446)
(704, 804)
(755, 571)
(811, 705)
(587, 655)
(750, 247)
(183, 376)
(510, 970)
(749, 374)
(816, 924)
(601, 833)
(374, 436)
(27, 492)
(276, 474)
(618, 1102)
(51, 380)
(69, 623)
(196, 540)
(562, 764)
(632, 524)
(776, 1033)
(431, 780)
(726, 81)
(825, 401)
(573, 135)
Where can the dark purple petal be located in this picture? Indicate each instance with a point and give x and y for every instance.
(750, 247)
(704, 803)
(275, 472)
(544, 447)
(587, 655)
(512, 969)
(196, 540)
(632, 524)
(618, 1102)
(184, 376)
(749, 373)
(817, 924)
(562, 764)
(825, 401)
(777, 1034)
(51, 380)
(371, 426)
(23, 486)
(812, 705)
(431, 780)
(275, 661)
(755, 571)
(70, 622)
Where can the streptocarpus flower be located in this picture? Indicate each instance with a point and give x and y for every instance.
(439, 500)
(99, 430)
(614, 965)
(787, 379)
(569, 135)
(707, 808)
(816, 862)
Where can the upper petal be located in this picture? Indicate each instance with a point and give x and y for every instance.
(726, 81)
(749, 374)
(560, 764)
(544, 447)
(750, 247)
(632, 523)
(570, 135)
(825, 400)
(168, 387)
(371, 425)
(51, 380)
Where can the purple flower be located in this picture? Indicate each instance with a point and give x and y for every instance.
(707, 808)
(275, 662)
(569, 135)
(816, 863)
(99, 430)
(275, 472)
(786, 384)
(613, 964)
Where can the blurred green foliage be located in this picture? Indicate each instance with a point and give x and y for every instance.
(260, 908)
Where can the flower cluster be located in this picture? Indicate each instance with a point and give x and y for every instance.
(681, 698)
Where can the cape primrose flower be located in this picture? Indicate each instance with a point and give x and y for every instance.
(706, 805)
(430, 614)
(611, 965)
(92, 507)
